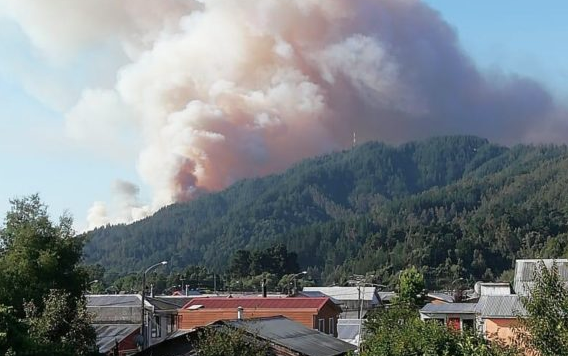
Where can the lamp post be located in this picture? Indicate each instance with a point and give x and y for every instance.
(457, 294)
(143, 312)
(295, 281)
(90, 284)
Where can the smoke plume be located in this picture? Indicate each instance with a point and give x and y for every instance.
(220, 90)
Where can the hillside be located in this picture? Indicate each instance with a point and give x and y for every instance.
(457, 206)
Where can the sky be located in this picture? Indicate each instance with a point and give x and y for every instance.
(36, 93)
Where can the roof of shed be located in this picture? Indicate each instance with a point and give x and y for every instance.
(441, 296)
(108, 335)
(292, 335)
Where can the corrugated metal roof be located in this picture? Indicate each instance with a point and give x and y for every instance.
(113, 300)
(108, 335)
(346, 293)
(160, 304)
(449, 308)
(387, 296)
(260, 303)
(294, 336)
(441, 296)
(525, 270)
(500, 306)
(348, 330)
(316, 294)
(179, 301)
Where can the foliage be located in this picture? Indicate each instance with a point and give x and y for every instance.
(545, 327)
(459, 207)
(37, 256)
(398, 331)
(62, 324)
(42, 309)
(274, 260)
(411, 288)
(223, 341)
(13, 333)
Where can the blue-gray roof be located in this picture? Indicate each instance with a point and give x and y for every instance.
(500, 306)
(294, 336)
(113, 300)
(449, 308)
(441, 296)
(108, 335)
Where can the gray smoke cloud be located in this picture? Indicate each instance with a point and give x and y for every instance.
(221, 90)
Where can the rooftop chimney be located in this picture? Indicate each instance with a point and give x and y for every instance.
(240, 313)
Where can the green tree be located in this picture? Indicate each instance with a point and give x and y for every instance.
(13, 333)
(240, 264)
(42, 285)
(62, 324)
(38, 256)
(411, 287)
(545, 327)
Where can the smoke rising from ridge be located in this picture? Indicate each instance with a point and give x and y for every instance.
(221, 90)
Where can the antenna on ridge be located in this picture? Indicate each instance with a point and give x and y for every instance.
(354, 139)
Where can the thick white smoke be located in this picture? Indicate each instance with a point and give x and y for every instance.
(221, 90)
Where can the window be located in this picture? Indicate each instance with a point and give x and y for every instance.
(156, 327)
(172, 324)
(321, 325)
(331, 326)
(468, 324)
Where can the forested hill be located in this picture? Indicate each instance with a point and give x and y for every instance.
(455, 206)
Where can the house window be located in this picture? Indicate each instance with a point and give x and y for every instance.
(172, 324)
(331, 326)
(321, 325)
(156, 327)
(468, 324)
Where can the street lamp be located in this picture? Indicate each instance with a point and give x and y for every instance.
(90, 284)
(143, 312)
(295, 280)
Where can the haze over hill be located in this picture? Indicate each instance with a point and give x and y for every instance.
(205, 93)
(454, 205)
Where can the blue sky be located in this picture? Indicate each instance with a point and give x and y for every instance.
(525, 37)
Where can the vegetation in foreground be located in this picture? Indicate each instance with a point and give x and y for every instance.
(42, 306)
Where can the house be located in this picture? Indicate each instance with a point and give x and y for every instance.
(459, 316)
(497, 315)
(283, 337)
(314, 313)
(350, 298)
(117, 321)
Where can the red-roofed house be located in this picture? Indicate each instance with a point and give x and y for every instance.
(315, 313)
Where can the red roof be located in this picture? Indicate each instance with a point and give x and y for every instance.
(258, 303)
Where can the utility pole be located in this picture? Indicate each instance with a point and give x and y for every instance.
(143, 292)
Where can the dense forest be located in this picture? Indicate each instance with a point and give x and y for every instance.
(454, 207)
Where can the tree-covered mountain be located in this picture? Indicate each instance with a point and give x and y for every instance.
(453, 206)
